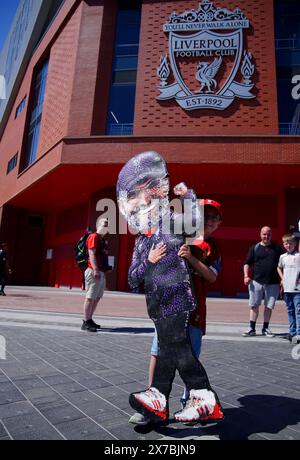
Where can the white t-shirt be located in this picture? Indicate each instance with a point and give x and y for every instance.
(290, 264)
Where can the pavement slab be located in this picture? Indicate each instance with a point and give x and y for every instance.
(58, 382)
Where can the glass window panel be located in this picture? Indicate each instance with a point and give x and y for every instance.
(36, 115)
(12, 163)
(128, 27)
(115, 129)
(36, 97)
(19, 109)
(284, 72)
(124, 76)
(39, 92)
(287, 33)
(121, 109)
(127, 50)
(287, 18)
(29, 148)
(33, 151)
(128, 34)
(122, 95)
(129, 16)
(38, 78)
(125, 62)
(284, 88)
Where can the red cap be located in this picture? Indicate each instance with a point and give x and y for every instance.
(213, 203)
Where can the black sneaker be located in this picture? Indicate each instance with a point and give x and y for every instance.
(97, 326)
(250, 333)
(2, 293)
(88, 327)
(267, 333)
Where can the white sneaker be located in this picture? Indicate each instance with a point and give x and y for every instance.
(151, 402)
(267, 332)
(202, 406)
(139, 419)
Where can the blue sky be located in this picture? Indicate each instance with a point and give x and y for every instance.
(8, 9)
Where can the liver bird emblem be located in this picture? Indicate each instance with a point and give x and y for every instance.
(205, 74)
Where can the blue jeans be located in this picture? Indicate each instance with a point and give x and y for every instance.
(292, 300)
(196, 342)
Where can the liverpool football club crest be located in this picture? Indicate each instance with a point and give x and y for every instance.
(207, 66)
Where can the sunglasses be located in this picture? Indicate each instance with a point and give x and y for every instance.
(147, 186)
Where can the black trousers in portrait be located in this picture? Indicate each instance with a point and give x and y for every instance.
(175, 352)
(3, 280)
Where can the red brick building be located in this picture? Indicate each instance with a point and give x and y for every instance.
(63, 139)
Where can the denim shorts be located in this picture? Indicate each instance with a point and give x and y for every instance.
(196, 341)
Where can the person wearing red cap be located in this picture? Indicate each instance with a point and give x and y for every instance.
(205, 261)
(204, 257)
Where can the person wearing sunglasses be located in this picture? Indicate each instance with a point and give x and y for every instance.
(170, 299)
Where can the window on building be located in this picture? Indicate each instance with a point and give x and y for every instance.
(122, 93)
(20, 107)
(55, 6)
(287, 44)
(36, 115)
(12, 163)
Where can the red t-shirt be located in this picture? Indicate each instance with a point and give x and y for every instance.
(211, 257)
(96, 241)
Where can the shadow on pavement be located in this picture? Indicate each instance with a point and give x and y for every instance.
(265, 414)
(130, 330)
(23, 295)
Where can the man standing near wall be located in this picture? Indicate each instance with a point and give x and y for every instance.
(263, 257)
(95, 274)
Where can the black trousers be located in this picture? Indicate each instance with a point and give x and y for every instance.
(175, 352)
(2, 281)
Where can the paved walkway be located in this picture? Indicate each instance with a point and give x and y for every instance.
(66, 300)
(58, 382)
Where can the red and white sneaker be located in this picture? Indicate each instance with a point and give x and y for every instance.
(150, 403)
(202, 407)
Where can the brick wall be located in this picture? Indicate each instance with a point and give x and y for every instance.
(59, 85)
(15, 133)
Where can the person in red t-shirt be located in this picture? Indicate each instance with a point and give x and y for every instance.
(95, 274)
(205, 260)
